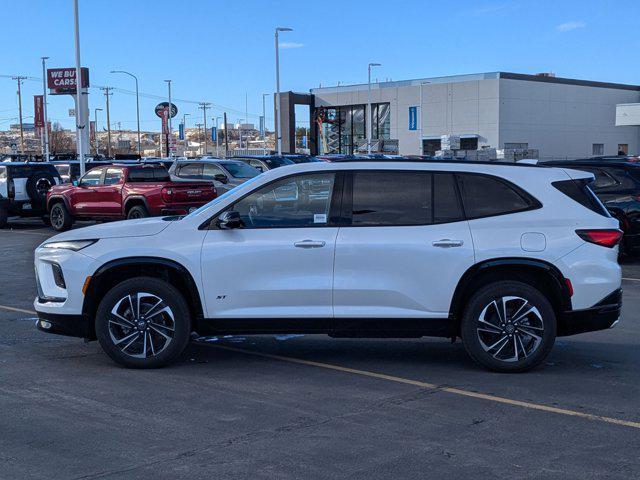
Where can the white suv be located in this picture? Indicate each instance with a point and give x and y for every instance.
(506, 257)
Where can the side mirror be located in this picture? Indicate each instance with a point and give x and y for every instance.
(259, 168)
(229, 220)
(221, 177)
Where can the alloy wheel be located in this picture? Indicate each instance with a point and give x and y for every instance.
(141, 325)
(510, 328)
(57, 217)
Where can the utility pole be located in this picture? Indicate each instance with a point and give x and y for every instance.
(106, 94)
(226, 136)
(199, 125)
(203, 106)
(20, 79)
(44, 109)
(95, 126)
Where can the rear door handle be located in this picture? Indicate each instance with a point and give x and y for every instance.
(447, 243)
(309, 244)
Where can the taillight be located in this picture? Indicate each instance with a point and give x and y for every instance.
(12, 189)
(604, 238)
(167, 195)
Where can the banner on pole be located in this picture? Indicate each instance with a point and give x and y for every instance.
(214, 133)
(38, 111)
(181, 131)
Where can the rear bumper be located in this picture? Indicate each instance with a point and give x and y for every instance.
(61, 324)
(602, 315)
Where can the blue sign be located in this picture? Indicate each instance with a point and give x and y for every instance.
(413, 118)
(214, 133)
(181, 131)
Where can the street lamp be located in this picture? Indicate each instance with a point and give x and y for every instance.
(44, 109)
(279, 120)
(137, 105)
(369, 112)
(420, 110)
(264, 117)
(79, 110)
(169, 152)
(95, 126)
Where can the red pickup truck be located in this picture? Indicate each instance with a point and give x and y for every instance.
(124, 191)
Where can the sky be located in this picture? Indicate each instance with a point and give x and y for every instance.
(221, 51)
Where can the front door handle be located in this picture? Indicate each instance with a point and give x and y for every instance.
(447, 243)
(309, 244)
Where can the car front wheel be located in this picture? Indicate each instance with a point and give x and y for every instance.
(60, 217)
(143, 322)
(508, 326)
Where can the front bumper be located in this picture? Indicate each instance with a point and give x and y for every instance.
(69, 325)
(602, 315)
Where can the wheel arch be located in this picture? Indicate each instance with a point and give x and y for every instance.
(538, 273)
(132, 201)
(115, 271)
(57, 199)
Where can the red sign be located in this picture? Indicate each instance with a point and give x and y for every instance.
(63, 80)
(38, 111)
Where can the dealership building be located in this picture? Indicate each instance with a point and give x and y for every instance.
(559, 117)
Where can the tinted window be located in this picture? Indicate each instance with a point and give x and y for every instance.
(446, 200)
(484, 196)
(602, 179)
(299, 201)
(386, 198)
(241, 170)
(148, 175)
(277, 162)
(579, 191)
(209, 170)
(91, 178)
(112, 176)
(190, 170)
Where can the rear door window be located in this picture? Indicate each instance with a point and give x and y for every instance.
(485, 196)
(190, 170)
(112, 176)
(446, 201)
(391, 198)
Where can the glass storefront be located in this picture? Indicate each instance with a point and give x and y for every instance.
(342, 129)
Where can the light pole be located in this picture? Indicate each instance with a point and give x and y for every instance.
(369, 112)
(95, 126)
(204, 106)
(44, 109)
(20, 79)
(79, 110)
(137, 106)
(420, 110)
(278, 119)
(264, 117)
(169, 152)
(184, 129)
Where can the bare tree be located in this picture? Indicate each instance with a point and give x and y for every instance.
(60, 140)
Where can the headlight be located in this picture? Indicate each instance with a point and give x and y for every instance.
(74, 245)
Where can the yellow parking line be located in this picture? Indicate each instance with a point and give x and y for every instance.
(432, 386)
(14, 309)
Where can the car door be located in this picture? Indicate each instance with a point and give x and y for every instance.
(108, 200)
(209, 171)
(406, 246)
(279, 265)
(85, 197)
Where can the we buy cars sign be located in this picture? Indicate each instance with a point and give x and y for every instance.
(63, 80)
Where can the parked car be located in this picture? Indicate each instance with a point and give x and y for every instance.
(505, 256)
(266, 162)
(299, 158)
(225, 174)
(23, 189)
(124, 191)
(617, 185)
(70, 170)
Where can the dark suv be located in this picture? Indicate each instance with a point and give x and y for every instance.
(23, 189)
(617, 185)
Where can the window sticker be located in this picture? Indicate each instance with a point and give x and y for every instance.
(319, 218)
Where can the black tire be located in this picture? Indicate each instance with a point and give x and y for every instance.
(3, 217)
(130, 333)
(37, 186)
(524, 342)
(137, 211)
(60, 218)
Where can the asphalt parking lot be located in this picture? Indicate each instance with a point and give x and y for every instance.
(310, 406)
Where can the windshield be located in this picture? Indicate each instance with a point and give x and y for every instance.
(216, 200)
(241, 170)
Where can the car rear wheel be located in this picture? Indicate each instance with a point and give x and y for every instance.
(137, 212)
(60, 217)
(143, 322)
(508, 326)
